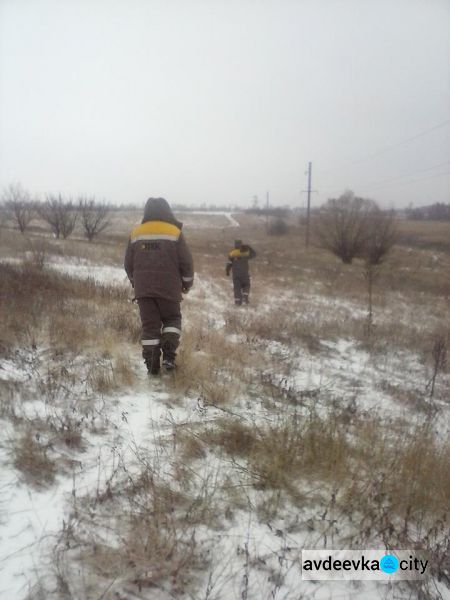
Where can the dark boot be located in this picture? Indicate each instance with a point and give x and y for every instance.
(152, 359)
(169, 345)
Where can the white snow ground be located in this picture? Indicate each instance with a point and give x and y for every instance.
(208, 219)
(31, 520)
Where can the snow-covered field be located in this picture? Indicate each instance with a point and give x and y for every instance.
(245, 539)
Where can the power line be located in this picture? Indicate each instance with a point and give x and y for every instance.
(394, 146)
(410, 139)
(365, 190)
(414, 180)
(376, 184)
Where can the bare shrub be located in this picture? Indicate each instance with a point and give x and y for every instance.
(341, 226)
(352, 227)
(19, 206)
(278, 227)
(61, 215)
(37, 254)
(381, 235)
(94, 217)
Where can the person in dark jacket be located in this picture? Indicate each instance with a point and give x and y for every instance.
(159, 266)
(238, 263)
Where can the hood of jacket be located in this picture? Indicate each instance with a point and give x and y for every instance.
(158, 209)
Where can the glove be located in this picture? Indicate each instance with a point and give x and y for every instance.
(185, 289)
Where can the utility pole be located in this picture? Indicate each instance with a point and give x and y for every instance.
(267, 211)
(308, 206)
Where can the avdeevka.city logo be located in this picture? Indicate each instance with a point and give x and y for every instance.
(389, 563)
(362, 565)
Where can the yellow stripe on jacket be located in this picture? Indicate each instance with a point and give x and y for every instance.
(155, 230)
(236, 253)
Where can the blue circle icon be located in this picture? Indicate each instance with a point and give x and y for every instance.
(389, 563)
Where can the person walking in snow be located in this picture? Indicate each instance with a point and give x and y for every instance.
(159, 266)
(238, 263)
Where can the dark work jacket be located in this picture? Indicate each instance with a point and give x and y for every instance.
(238, 260)
(158, 261)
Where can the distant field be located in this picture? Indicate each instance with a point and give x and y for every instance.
(426, 234)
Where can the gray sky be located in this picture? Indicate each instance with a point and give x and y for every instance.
(216, 101)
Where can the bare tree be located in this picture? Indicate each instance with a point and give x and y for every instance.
(19, 206)
(381, 234)
(439, 353)
(341, 226)
(94, 217)
(59, 214)
(69, 217)
(352, 227)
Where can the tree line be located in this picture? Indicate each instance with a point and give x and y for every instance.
(60, 213)
(439, 211)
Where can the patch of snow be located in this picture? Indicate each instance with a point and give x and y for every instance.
(85, 269)
(11, 371)
(205, 223)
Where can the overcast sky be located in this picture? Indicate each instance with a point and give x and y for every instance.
(216, 101)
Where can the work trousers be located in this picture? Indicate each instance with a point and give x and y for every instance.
(241, 284)
(161, 325)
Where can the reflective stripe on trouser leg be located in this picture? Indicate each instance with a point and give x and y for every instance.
(171, 330)
(153, 342)
(170, 341)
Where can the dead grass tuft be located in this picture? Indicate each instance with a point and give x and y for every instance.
(150, 527)
(235, 437)
(123, 371)
(67, 428)
(31, 459)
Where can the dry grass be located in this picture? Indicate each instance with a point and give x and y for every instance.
(32, 460)
(383, 479)
(367, 462)
(41, 307)
(210, 368)
(66, 428)
(407, 470)
(150, 527)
